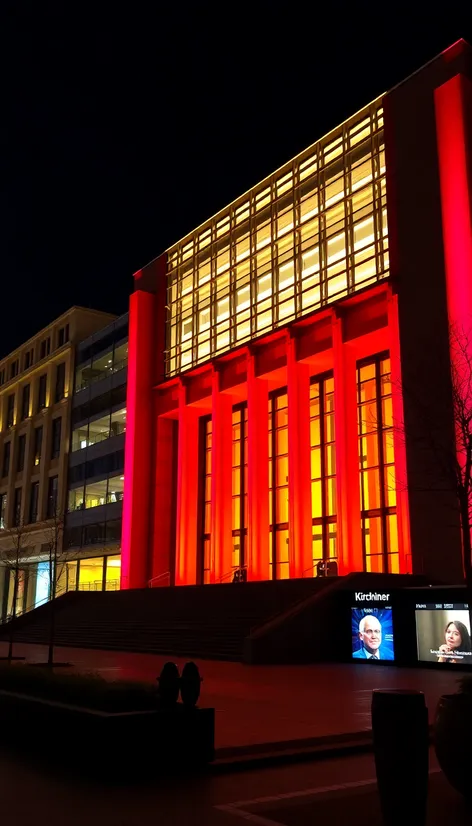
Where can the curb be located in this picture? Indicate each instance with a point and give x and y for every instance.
(291, 751)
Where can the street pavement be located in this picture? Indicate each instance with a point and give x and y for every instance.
(259, 706)
(340, 791)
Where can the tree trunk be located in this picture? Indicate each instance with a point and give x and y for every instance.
(466, 544)
(13, 615)
(52, 623)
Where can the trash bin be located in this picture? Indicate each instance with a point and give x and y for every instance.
(401, 750)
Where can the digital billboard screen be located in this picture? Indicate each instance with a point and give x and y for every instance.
(443, 633)
(372, 633)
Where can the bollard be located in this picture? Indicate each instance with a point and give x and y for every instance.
(168, 683)
(401, 749)
(190, 684)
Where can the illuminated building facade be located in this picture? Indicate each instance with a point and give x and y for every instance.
(36, 388)
(267, 429)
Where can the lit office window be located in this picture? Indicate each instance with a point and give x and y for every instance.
(377, 468)
(205, 498)
(309, 235)
(323, 469)
(239, 486)
(278, 485)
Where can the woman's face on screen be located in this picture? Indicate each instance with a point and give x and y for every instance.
(453, 636)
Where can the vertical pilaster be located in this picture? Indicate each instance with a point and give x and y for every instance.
(187, 492)
(401, 479)
(163, 504)
(258, 473)
(221, 483)
(299, 476)
(139, 423)
(350, 555)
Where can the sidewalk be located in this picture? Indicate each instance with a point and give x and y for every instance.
(267, 704)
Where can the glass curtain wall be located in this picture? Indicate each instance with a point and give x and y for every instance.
(310, 234)
(239, 486)
(206, 430)
(278, 485)
(323, 469)
(377, 469)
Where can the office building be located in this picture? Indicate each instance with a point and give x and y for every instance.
(267, 430)
(36, 382)
(96, 460)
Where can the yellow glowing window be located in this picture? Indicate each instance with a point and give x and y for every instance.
(222, 309)
(310, 261)
(243, 298)
(242, 212)
(242, 248)
(361, 175)
(308, 167)
(334, 191)
(309, 207)
(284, 184)
(285, 222)
(204, 319)
(263, 198)
(336, 248)
(264, 287)
(364, 233)
(382, 161)
(187, 327)
(286, 275)
(204, 239)
(334, 216)
(187, 283)
(384, 223)
(187, 251)
(222, 261)
(222, 226)
(333, 150)
(263, 236)
(204, 271)
(360, 132)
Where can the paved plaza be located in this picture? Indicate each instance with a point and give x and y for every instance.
(259, 705)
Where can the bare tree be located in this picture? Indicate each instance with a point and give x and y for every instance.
(57, 567)
(450, 458)
(11, 554)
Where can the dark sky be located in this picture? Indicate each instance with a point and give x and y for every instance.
(123, 131)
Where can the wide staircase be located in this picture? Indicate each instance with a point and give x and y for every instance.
(209, 621)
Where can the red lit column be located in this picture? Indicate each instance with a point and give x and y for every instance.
(187, 493)
(299, 475)
(221, 483)
(350, 555)
(258, 473)
(136, 498)
(163, 514)
(401, 479)
(453, 104)
(452, 100)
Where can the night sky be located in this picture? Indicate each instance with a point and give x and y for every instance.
(122, 133)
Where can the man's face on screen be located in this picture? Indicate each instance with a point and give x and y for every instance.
(371, 635)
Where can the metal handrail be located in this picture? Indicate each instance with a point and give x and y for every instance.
(232, 572)
(155, 579)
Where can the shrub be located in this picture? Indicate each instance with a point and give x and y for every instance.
(465, 685)
(85, 690)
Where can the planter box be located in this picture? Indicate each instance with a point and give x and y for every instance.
(122, 744)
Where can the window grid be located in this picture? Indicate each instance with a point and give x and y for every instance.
(313, 233)
(239, 486)
(278, 485)
(323, 469)
(205, 497)
(376, 463)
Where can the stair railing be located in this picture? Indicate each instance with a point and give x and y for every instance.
(160, 581)
(232, 574)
